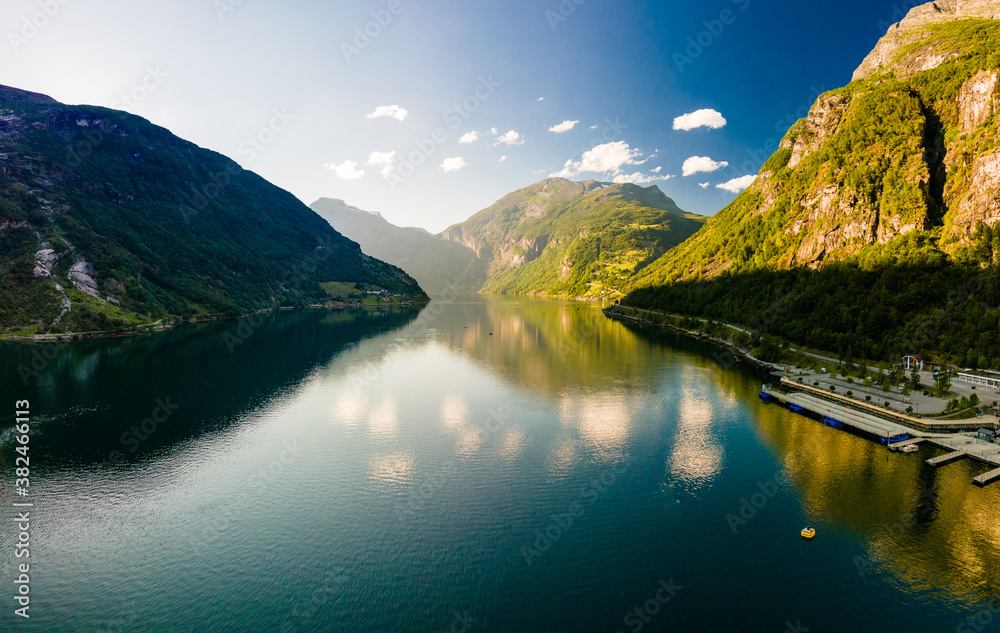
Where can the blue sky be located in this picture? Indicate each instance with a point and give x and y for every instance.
(291, 89)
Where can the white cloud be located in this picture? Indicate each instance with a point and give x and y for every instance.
(594, 127)
(737, 185)
(639, 178)
(393, 111)
(608, 158)
(469, 137)
(700, 118)
(541, 98)
(452, 164)
(702, 164)
(704, 185)
(348, 170)
(657, 170)
(510, 138)
(503, 158)
(383, 160)
(565, 126)
(493, 131)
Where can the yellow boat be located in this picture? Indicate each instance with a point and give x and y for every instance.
(808, 533)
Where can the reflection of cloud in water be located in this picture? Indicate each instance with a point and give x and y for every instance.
(454, 412)
(383, 420)
(697, 455)
(512, 445)
(468, 442)
(562, 455)
(601, 420)
(348, 410)
(392, 470)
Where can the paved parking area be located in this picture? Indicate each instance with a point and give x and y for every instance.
(923, 405)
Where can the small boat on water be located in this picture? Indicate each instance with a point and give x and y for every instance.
(796, 408)
(894, 439)
(831, 422)
(910, 448)
(808, 533)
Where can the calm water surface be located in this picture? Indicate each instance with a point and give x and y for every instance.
(486, 465)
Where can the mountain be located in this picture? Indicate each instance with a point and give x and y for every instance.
(575, 239)
(108, 222)
(438, 265)
(872, 230)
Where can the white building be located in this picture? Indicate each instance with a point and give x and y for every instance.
(980, 379)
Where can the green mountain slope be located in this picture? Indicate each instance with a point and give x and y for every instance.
(872, 230)
(565, 238)
(438, 265)
(108, 222)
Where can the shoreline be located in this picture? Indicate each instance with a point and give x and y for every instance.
(739, 353)
(65, 337)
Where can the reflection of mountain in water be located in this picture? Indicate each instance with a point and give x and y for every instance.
(93, 392)
(915, 521)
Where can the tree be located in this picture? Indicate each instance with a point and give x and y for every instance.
(862, 370)
(906, 390)
(909, 409)
(915, 378)
(942, 383)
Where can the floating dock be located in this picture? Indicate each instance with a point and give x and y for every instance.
(943, 460)
(885, 424)
(900, 445)
(987, 478)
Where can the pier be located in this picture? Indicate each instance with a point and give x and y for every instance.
(944, 460)
(888, 424)
(913, 440)
(987, 478)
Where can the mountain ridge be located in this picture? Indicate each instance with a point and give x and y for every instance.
(576, 239)
(895, 176)
(109, 222)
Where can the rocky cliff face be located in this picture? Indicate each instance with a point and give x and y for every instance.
(911, 29)
(910, 150)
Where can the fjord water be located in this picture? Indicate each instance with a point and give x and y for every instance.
(493, 465)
